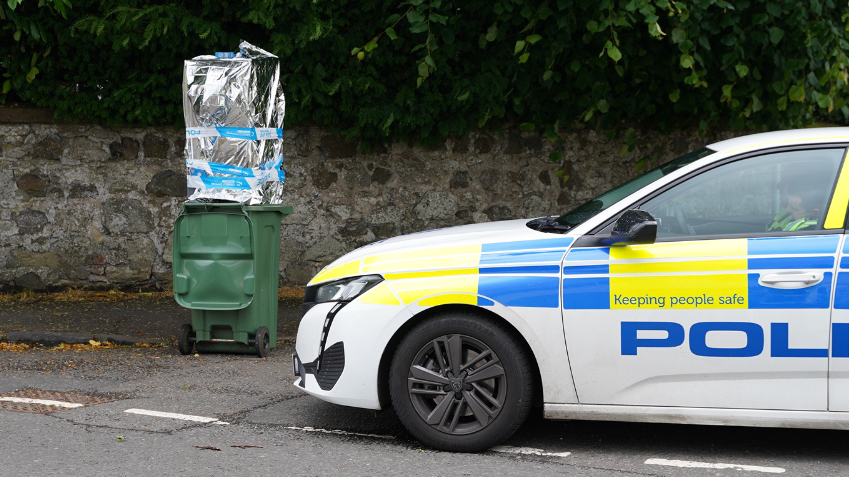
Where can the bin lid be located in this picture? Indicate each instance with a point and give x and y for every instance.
(213, 258)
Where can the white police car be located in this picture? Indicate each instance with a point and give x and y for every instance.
(711, 290)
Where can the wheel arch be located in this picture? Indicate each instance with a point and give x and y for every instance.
(392, 346)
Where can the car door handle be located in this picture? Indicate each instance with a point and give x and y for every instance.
(791, 279)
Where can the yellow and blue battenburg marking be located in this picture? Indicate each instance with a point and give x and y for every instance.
(520, 273)
(841, 289)
(715, 274)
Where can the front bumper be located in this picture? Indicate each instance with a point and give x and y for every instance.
(327, 370)
(348, 371)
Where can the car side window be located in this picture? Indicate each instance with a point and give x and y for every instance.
(778, 192)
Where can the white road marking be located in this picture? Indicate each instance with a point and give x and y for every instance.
(334, 431)
(172, 415)
(528, 451)
(43, 402)
(706, 465)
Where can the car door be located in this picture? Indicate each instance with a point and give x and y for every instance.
(838, 369)
(720, 311)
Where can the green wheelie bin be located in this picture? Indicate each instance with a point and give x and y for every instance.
(225, 266)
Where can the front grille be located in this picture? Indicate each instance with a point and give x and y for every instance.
(332, 365)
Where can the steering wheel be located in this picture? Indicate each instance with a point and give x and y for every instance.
(681, 221)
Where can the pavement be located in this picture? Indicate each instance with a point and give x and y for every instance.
(136, 320)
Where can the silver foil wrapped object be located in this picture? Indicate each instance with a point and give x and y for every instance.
(233, 110)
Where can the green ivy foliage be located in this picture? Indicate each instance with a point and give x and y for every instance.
(27, 29)
(421, 70)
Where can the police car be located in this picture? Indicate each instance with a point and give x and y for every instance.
(711, 290)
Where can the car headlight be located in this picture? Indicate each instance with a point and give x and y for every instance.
(347, 289)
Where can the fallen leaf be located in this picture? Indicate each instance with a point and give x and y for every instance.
(15, 347)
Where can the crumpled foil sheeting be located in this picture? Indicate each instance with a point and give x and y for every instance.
(242, 92)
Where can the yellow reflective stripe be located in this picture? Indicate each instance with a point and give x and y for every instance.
(680, 292)
(466, 260)
(450, 298)
(413, 290)
(689, 266)
(440, 258)
(837, 209)
(447, 257)
(380, 295)
(711, 248)
(344, 270)
(423, 254)
(432, 273)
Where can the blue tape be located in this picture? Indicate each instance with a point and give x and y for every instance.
(225, 183)
(218, 168)
(249, 134)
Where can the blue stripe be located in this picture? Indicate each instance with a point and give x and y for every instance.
(587, 270)
(225, 183)
(790, 262)
(535, 292)
(588, 254)
(586, 293)
(484, 302)
(846, 246)
(841, 292)
(816, 296)
(840, 340)
(794, 245)
(217, 168)
(521, 257)
(248, 133)
(844, 262)
(522, 270)
(237, 133)
(528, 244)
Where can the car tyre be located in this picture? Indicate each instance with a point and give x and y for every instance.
(184, 340)
(461, 382)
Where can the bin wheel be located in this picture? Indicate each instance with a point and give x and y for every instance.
(262, 342)
(185, 343)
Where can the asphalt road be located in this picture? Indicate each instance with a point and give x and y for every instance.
(285, 432)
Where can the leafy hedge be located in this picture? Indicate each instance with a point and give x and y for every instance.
(420, 70)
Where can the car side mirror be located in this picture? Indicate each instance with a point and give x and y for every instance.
(634, 227)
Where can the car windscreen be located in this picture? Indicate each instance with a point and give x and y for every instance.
(589, 209)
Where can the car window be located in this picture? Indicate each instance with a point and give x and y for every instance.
(779, 192)
(589, 209)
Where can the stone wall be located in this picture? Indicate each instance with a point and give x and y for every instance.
(93, 206)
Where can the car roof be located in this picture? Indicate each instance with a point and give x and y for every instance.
(781, 138)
